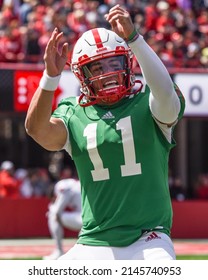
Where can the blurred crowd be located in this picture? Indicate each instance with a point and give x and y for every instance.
(201, 186)
(33, 182)
(40, 182)
(176, 29)
(179, 192)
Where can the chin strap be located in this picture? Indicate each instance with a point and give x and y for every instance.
(87, 103)
(95, 99)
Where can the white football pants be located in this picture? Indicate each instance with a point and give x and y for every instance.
(151, 246)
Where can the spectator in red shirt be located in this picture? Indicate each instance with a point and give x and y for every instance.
(9, 185)
(11, 48)
(151, 16)
(202, 187)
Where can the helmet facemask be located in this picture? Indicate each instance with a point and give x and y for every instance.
(106, 79)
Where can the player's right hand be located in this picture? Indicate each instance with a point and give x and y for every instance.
(55, 56)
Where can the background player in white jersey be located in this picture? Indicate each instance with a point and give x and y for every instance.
(64, 212)
(119, 139)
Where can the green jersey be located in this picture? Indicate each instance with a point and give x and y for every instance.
(121, 156)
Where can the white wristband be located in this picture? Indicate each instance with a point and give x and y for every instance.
(49, 83)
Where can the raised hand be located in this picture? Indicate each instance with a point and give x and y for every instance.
(55, 57)
(120, 21)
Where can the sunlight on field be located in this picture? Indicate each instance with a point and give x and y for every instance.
(35, 249)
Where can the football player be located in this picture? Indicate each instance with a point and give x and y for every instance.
(119, 138)
(64, 212)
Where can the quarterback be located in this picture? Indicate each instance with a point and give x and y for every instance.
(119, 138)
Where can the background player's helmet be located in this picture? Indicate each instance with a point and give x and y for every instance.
(97, 45)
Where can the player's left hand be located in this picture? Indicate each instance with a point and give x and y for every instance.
(120, 21)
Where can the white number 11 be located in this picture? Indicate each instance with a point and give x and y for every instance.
(129, 168)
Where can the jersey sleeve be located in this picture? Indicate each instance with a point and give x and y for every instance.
(182, 101)
(64, 110)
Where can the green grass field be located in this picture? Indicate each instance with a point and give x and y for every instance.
(192, 257)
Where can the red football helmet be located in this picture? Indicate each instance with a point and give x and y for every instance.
(102, 61)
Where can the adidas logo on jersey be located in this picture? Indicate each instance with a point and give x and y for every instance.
(152, 236)
(108, 115)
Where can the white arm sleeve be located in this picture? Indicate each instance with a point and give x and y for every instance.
(164, 102)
